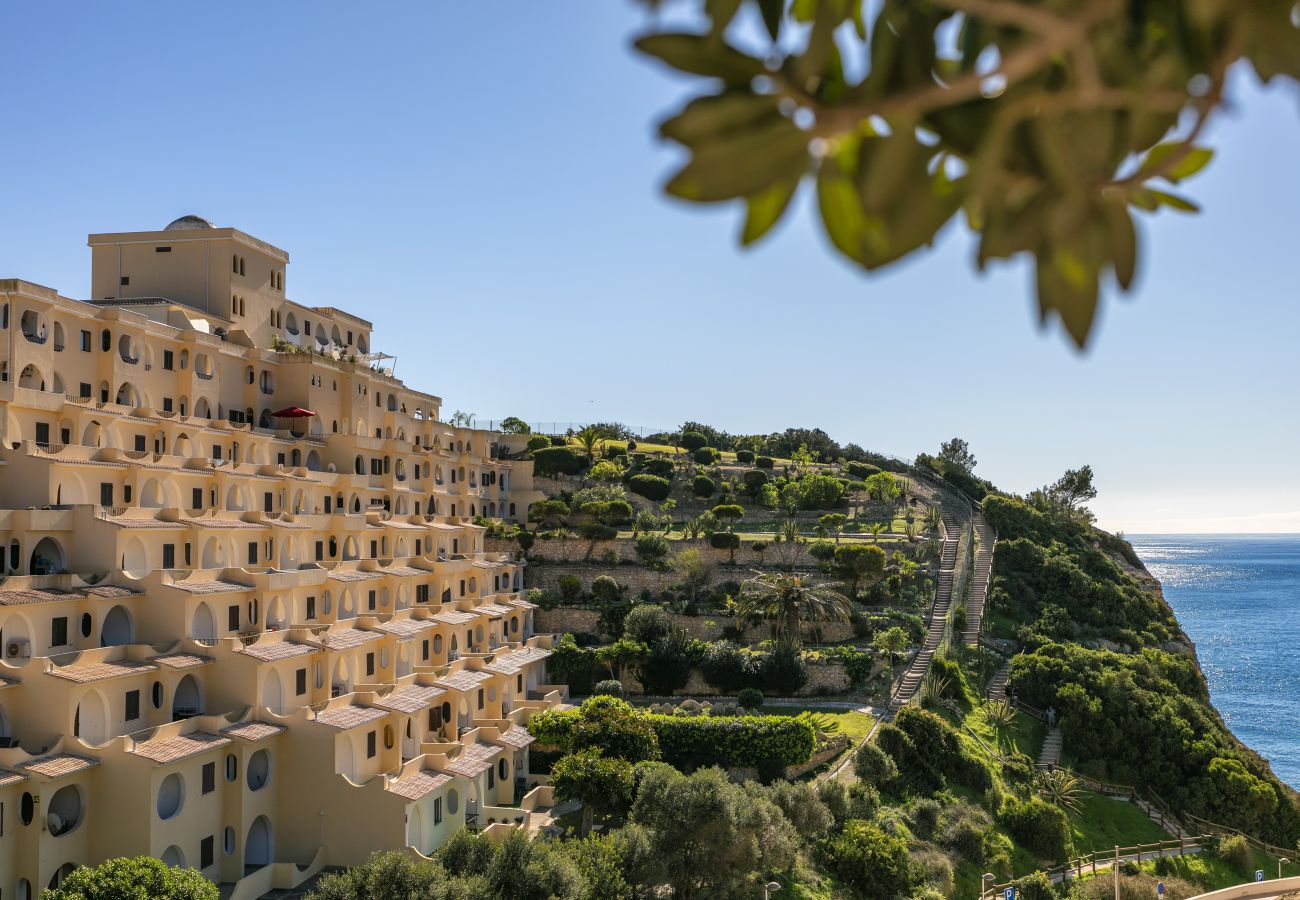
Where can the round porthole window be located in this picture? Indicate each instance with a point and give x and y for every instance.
(171, 796)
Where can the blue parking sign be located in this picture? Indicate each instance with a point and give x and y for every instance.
(1009, 894)
(1259, 874)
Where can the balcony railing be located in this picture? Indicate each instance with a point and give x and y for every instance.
(203, 376)
(35, 338)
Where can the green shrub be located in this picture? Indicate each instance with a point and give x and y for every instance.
(559, 440)
(652, 487)
(552, 461)
(1234, 851)
(1035, 887)
(744, 456)
(753, 480)
(870, 860)
(538, 442)
(1039, 827)
(764, 462)
(597, 531)
(724, 540)
(817, 491)
(133, 877)
(750, 698)
(525, 540)
(693, 440)
(668, 666)
(782, 672)
(659, 465)
(726, 667)
(652, 549)
(861, 470)
(703, 486)
(609, 687)
(647, 623)
(874, 765)
(615, 728)
(548, 511)
(822, 551)
(605, 589)
(707, 456)
(570, 586)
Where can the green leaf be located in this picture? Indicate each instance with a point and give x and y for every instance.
(1187, 165)
(707, 118)
(841, 209)
(701, 54)
(1068, 288)
(1122, 237)
(1173, 201)
(743, 164)
(766, 208)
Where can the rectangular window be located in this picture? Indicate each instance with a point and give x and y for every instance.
(320, 550)
(162, 249)
(85, 341)
(421, 593)
(84, 390)
(132, 705)
(492, 777)
(252, 553)
(371, 600)
(65, 435)
(329, 504)
(232, 619)
(370, 664)
(206, 846)
(139, 443)
(187, 555)
(480, 698)
(43, 433)
(196, 498)
(209, 777)
(437, 810)
(374, 550)
(167, 404)
(126, 494)
(279, 457)
(126, 279)
(169, 359)
(169, 556)
(105, 494)
(300, 681)
(268, 500)
(311, 607)
(59, 631)
(370, 745)
(424, 650)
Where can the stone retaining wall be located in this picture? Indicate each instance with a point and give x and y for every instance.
(553, 550)
(704, 627)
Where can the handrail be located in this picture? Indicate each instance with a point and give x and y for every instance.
(1074, 867)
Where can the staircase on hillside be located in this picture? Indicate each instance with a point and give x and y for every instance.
(1050, 757)
(980, 576)
(997, 689)
(915, 674)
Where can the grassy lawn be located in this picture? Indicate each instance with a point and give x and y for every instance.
(1103, 822)
(1026, 737)
(855, 725)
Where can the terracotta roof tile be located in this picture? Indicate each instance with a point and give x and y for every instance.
(464, 679)
(206, 522)
(474, 759)
(212, 586)
(130, 522)
(254, 731)
(493, 609)
(276, 650)
(8, 777)
(418, 784)
(347, 638)
(516, 737)
(353, 575)
(454, 617)
(101, 671)
(111, 591)
(406, 628)
(59, 765)
(23, 598)
(513, 662)
(181, 747)
(410, 699)
(181, 660)
(406, 571)
(345, 717)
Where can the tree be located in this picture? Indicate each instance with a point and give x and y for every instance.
(768, 496)
(1069, 492)
(882, 487)
(892, 641)
(646, 623)
(595, 781)
(462, 419)
(876, 528)
(590, 439)
(833, 522)
(801, 458)
(817, 491)
(791, 497)
(919, 130)
(133, 878)
(729, 513)
(651, 549)
(514, 425)
(621, 655)
(956, 452)
(693, 440)
(870, 859)
(857, 562)
(695, 570)
(615, 728)
(787, 602)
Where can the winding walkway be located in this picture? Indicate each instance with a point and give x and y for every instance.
(981, 575)
(910, 683)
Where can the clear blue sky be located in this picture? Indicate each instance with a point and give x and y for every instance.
(500, 159)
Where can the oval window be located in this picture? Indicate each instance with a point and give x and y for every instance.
(453, 801)
(27, 808)
(157, 694)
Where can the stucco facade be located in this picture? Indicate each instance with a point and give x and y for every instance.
(247, 644)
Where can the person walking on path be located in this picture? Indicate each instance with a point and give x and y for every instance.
(1051, 717)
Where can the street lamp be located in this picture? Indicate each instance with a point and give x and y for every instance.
(769, 887)
(987, 879)
(1280, 863)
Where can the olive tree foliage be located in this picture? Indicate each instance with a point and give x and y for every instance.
(1045, 126)
(133, 878)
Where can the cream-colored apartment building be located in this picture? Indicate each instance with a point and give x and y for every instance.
(248, 643)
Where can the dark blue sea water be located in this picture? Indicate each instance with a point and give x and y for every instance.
(1238, 599)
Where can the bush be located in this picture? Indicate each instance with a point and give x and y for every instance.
(726, 667)
(861, 470)
(725, 540)
(750, 698)
(651, 549)
(707, 456)
(869, 859)
(548, 511)
(1039, 827)
(764, 462)
(782, 672)
(613, 727)
(818, 491)
(660, 466)
(559, 440)
(133, 877)
(611, 687)
(605, 589)
(668, 666)
(744, 456)
(754, 480)
(552, 461)
(1234, 851)
(874, 765)
(703, 486)
(597, 531)
(652, 487)
(570, 586)
(647, 623)
(693, 440)
(822, 551)
(538, 442)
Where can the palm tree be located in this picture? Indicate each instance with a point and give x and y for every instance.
(787, 602)
(876, 528)
(591, 440)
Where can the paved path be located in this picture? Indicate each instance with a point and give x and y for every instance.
(1105, 865)
(1050, 757)
(997, 689)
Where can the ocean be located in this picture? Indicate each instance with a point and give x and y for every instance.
(1237, 597)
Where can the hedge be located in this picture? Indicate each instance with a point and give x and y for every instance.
(552, 461)
(652, 487)
(744, 456)
(764, 462)
(730, 741)
(659, 466)
(703, 486)
(724, 540)
(707, 456)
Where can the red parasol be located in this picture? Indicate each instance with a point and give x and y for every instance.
(293, 412)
